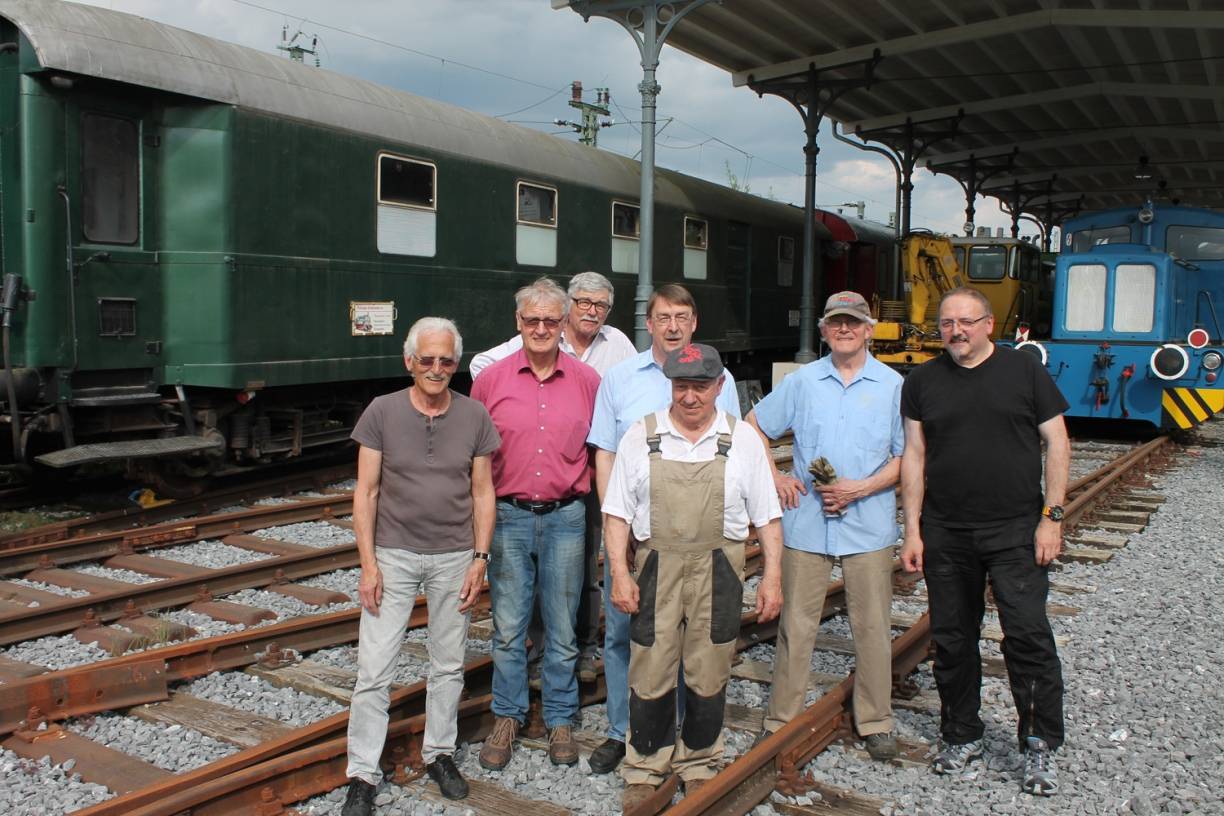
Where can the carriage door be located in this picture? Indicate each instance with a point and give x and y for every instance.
(117, 287)
(739, 273)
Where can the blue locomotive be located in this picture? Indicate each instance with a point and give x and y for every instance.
(1137, 299)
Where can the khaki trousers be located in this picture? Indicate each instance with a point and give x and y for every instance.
(805, 580)
(689, 608)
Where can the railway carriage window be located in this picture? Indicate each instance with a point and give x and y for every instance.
(1085, 240)
(626, 230)
(1195, 243)
(1085, 297)
(110, 179)
(696, 234)
(407, 206)
(536, 231)
(987, 262)
(537, 205)
(1134, 298)
(786, 260)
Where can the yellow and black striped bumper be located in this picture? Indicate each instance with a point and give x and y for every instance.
(1187, 407)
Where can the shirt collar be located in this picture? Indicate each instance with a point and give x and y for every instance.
(564, 362)
(719, 426)
(645, 359)
(869, 371)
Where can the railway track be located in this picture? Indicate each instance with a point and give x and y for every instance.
(270, 775)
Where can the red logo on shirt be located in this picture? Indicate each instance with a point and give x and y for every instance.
(691, 354)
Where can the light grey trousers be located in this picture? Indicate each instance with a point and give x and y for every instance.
(406, 575)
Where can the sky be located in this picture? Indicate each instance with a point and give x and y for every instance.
(515, 59)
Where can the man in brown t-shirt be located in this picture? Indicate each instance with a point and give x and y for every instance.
(423, 512)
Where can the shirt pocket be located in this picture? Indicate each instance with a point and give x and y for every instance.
(871, 434)
(573, 447)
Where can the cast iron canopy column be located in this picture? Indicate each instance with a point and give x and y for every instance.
(909, 141)
(972, 174)
(812, 95)
(648, 23)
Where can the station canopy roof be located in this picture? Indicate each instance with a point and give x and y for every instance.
(1115, 100)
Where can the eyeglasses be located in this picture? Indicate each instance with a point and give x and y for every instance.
(964, 322)
(585, 304)
(843, 321)
(428, 362)
(550, 323)
(681, 319)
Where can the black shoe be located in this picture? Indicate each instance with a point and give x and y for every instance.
(606, 757)
(360, 799)
(443, 771)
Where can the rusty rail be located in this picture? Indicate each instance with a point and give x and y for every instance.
(131, 517)
(96, 546)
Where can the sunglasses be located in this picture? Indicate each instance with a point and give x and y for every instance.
(428, 362)
(550, 323)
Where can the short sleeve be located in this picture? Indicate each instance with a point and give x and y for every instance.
(487, 437)
(620, 499)
(897, 427)
(603, 421)
(911, 396)
(775, 415)
(761, 497)
(1048, 401)
(369, 430)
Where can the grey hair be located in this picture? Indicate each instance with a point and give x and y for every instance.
(591, 282)
(543, 291)
(969, 292)
(429, 325)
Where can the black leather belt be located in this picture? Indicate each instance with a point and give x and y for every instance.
(540, 508)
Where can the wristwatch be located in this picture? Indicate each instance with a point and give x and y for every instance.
(1053, 512)
(484, 556)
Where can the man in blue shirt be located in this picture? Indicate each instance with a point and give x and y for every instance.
(629, 391)
(845, 408)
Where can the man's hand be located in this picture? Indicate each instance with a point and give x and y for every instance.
(1047, 541)
(911, 553)
(625, 593)
(769, 598)
(841, 493)
(369, 589)
(789, 488)
(473, 582)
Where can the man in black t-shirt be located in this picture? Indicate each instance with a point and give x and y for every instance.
(975, 419)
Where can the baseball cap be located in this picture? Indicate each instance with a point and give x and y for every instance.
(696, 361)
(848, 303)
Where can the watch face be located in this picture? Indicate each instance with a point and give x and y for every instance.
(1055, 513)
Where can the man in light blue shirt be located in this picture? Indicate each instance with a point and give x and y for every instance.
(846, 409)
(629, 391)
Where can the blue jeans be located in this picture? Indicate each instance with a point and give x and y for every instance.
(536, 552)
(616, 661)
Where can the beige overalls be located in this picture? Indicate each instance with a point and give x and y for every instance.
(688, 575)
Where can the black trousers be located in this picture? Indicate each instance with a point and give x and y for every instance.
(957, 562)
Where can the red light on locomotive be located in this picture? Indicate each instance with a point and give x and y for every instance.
(1198, 338)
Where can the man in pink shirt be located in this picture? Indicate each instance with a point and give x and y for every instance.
(541, 402)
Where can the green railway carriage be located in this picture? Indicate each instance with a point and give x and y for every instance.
(212, 254)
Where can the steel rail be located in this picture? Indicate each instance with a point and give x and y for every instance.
(96, 546)
(131, 517)
(779, 758)
(92, 610)
(1104, 478)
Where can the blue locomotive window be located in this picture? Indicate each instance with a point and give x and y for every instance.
(1085, 240)
(1134, 298)
(1195, 243)
(1085, 297)
(987, 262)
(405, 182)
(110, 179)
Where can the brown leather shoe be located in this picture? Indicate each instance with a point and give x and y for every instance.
(499, 746)
(634, 795)
(562, 749)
